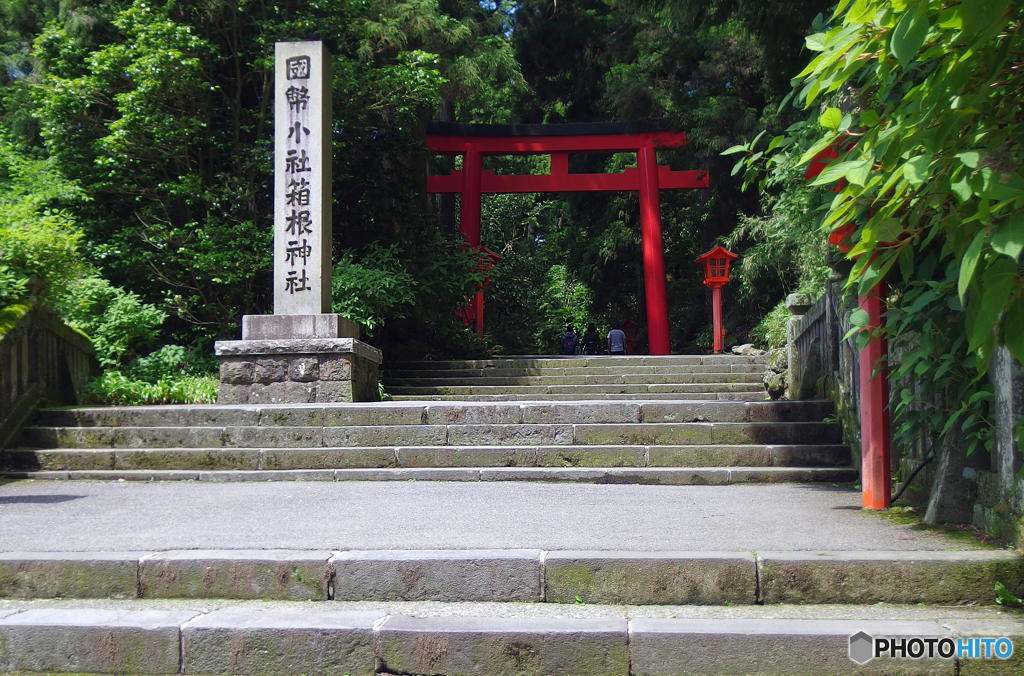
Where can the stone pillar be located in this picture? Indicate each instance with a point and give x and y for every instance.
(798, 304)
(301, 353)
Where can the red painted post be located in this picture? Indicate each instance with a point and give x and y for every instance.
(874, 406)
(716, 314)
(653, 256)
(469, 221)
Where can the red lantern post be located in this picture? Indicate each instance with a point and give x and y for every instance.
(716, 275)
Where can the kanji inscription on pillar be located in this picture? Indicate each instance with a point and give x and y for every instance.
(302, 179)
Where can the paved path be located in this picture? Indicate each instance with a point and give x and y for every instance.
(126, 516)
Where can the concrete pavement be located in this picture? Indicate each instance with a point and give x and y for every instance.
(129, 516)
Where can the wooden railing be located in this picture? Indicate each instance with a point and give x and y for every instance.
(40, 358)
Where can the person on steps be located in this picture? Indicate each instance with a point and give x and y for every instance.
(569, 341)
(617, 340)
(591, 343)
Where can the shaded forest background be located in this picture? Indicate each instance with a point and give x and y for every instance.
(136, 157)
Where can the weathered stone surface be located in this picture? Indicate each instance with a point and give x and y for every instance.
(275, 437)
(291, 416)
(222, 416)
(278, 327)
(58, 459)
(335, 367)
(268, 475)
(235, 574)
(776, 433)
(92, 641)
(300, 393)
(506, 435)
(229, 348)
(641, 434)
(279, 641)
(437, 575)
(581, 413)
(708, 456)
(466, 456)
(187, 458)
(384, 435)
(622, 577)
(233, 394)
(269, 393)
(453, 414)
(592, 456)
(304, 369)
(326, 458)
(270, 370)
(892, 577)
(788, 411)
(69, 574)
(764, 475)
(722, 411)
(575, 474)
(330, 391)
(666, 647)
(237, 371)
(747, 349)
(500, 646)
(407, 474)
(775, 384)
(133, 475)
(372, 414)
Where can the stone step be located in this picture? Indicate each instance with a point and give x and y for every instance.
(384, 413)
(475, 639)
(642, 379)
(666, 476)
(574, 371)
(577, 361)
(485, 434)
(759, 455)
(758, 395)
(577, 391)
(591, 576)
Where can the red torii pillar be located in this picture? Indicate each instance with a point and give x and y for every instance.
(558, 141)
(873, 367)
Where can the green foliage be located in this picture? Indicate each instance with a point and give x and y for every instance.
(374, 288)
(116, 388)
(11, 315)
(39, 243)
(770, 332)
(921, 102)
(13, 286)
(1005, 597)
(118, 323)
(170, 361)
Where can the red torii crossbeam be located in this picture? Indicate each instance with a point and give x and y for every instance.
(558, 141)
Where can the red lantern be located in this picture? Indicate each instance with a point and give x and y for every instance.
(716, 265)
(716, 275)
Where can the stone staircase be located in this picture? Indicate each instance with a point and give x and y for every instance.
(698, 424)
(572, 378)
(627, 435)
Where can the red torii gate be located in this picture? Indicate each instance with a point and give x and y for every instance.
(473, 141)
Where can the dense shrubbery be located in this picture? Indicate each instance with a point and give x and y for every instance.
(114, 387)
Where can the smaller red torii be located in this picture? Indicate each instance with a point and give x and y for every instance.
(558, 141)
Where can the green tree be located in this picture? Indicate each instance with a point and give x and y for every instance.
(922, 102)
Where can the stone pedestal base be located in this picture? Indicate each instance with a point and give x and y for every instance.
(297, 371)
